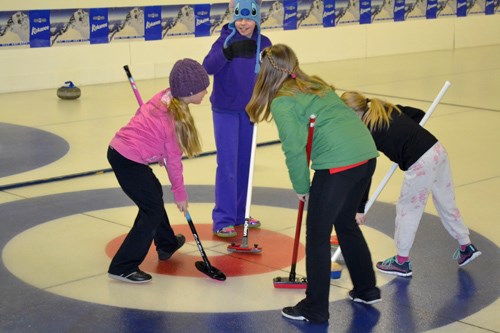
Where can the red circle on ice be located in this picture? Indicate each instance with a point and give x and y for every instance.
(276, 253)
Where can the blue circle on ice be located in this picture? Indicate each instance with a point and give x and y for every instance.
(26, 148)
(438, 294)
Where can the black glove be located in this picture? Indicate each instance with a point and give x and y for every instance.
(241, 49)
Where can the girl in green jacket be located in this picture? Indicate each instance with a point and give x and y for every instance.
(343, 157)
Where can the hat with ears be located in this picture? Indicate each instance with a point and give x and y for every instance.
(187, 78)
(250, 10)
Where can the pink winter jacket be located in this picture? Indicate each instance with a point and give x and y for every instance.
(150, 137)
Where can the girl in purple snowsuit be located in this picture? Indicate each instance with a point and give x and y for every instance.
(233, 60)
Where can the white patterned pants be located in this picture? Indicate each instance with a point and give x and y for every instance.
(430, 174)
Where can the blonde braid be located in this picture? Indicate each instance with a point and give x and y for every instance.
(282, 69)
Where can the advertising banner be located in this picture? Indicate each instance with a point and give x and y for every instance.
(152, 23)
(39, 28)
(329, 13)
(365, 12)
(431, 9)
(382, 10)
(309, 13)
(290, 20)
(462, 7)
(69, 26)
(99, 26)
(46, 28)
(177, 20)
(399, 10)
(478, 8)
(272, 14)
(14, 29)
(126, 23)
(446, 8)
(415, 9)
(219, 15)
(346, 12)
(490, 7)
(202, 20)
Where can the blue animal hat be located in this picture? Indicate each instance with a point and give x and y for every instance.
(250, 10)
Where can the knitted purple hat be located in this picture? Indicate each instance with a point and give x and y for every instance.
(188, 78)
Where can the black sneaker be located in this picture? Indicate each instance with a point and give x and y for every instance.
(135, 277)
(165, 255)
(370, 297)
(291, 312)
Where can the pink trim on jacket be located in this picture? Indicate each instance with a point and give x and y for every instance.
(150, 137)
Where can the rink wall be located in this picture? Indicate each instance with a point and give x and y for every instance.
(25, 67)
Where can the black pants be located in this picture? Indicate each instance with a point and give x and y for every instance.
(333, 202)
(141, 185)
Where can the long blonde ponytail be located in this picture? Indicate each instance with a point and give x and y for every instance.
(185, 129)
(374, 112)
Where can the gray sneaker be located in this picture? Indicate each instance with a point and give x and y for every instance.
(392, 266)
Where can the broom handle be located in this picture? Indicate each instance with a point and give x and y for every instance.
(244, 242)
(133, 85)
(312, 121)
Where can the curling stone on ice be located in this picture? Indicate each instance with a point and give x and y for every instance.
(336, 271)
(68, 91)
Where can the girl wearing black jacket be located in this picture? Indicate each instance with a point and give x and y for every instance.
(424, 160)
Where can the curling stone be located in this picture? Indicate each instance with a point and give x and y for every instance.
(68, 91)
(336, 271)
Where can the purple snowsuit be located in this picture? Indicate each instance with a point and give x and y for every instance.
(232, 89)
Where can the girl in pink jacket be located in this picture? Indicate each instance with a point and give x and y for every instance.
(162, 129)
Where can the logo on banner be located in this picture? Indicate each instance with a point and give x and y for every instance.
(365, 12)
(202, 23)
(431, 10)
(290, 19)
(39, 28)
(461, 8)
(329, 13)
(99, 25)
(399, 10)
(489, 7)
(152, 23)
